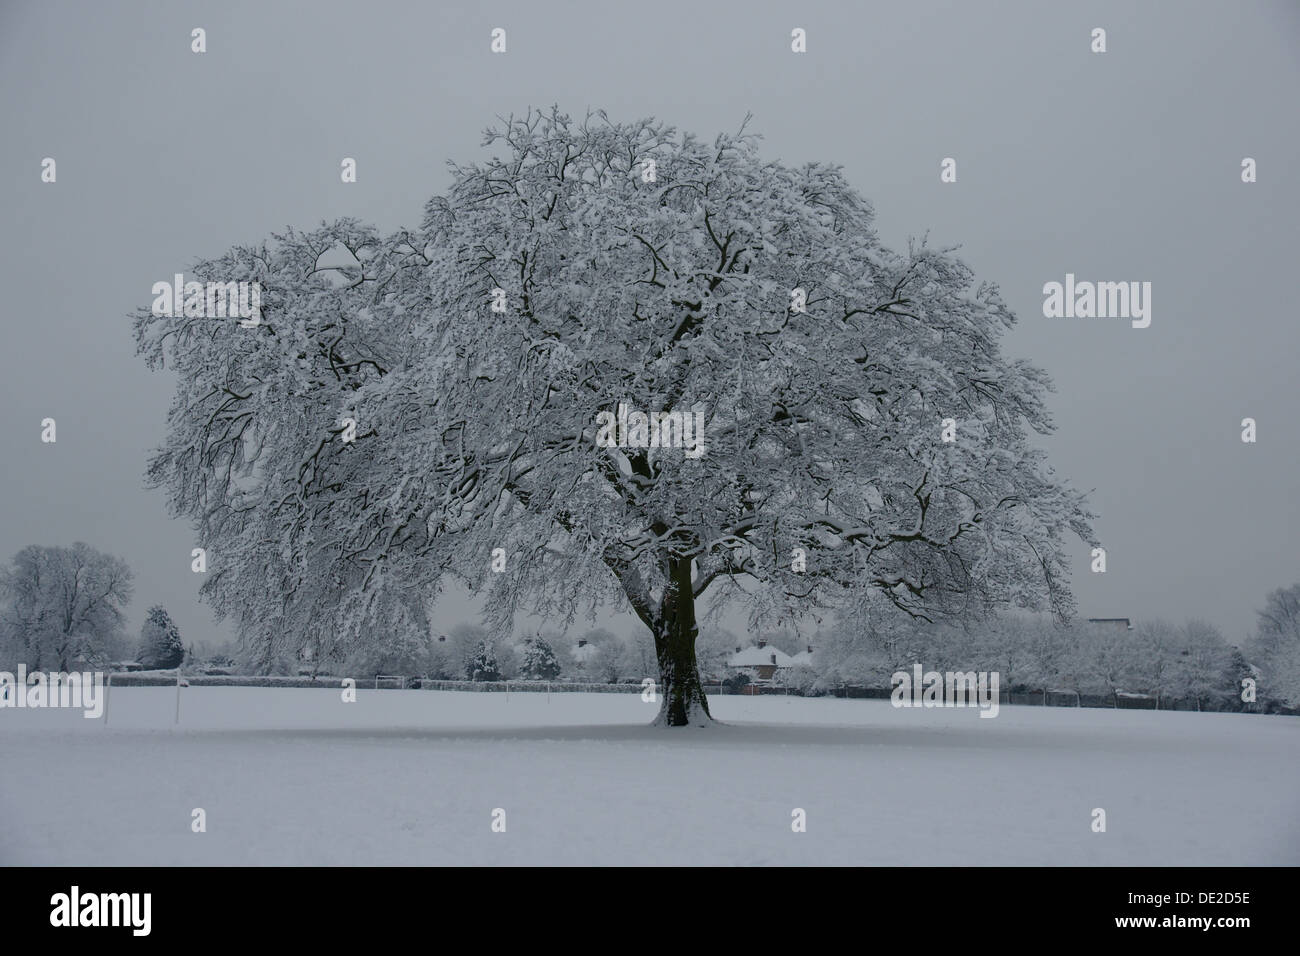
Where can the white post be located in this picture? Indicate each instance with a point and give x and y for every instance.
(548, 692)
(178, 693)
(108, 686)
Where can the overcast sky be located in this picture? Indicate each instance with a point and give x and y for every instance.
(1115, 166)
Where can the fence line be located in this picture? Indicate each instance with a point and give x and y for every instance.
(1054, 698)
(531, 687)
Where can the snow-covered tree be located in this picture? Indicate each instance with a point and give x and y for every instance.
(58, 605)
(404, 652)
(449, 651)
(1279, 622)
(482, 663)
(1204, 663)
(539, 660)
(160, 641)
(444, 660)
(596, 655)
(1052, 657)
(848, 654)
(1104, 660)
(1275, 646)
(1155, 659)
(1282, 679)
(949, 647)
(626, 657)
(432, 404)
(1004, 646)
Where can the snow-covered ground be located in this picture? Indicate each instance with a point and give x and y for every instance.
(296, 776)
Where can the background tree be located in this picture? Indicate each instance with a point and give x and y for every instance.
(451, 650)
(1105, 659)
(1155, 661)
(1074, 671)
(160, 641)
(714, 647)
(636, 658)
(1004, 646)
(952, 647)
(1238, 669)
(846, 652)
(59, 605)
(1282, 680)
(482, 663)
(1275, 646)
(1204, 663)
(597, 659)
(754, 293)
(444, 661)
(406, 652)
(1048, 650)
(539, 660)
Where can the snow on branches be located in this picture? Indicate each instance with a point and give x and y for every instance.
(474, 427)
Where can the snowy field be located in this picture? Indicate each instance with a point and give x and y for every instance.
(296, 776)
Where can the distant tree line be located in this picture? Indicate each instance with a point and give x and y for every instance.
(1191, 662)
(62, 608)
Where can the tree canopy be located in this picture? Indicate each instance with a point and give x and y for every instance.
(160, 641)
(410, 403)
(60, 605)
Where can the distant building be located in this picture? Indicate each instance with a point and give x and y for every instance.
(761, 660)
(803, 658)
(1119, 623)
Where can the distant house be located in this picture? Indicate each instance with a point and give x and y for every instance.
(761, 659)
(1119, 623)
(803, 658)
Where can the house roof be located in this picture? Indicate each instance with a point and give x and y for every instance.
(754, 656)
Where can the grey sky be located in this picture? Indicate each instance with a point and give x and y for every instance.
(1120, 166)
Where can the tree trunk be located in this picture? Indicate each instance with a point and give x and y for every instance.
(684, 702)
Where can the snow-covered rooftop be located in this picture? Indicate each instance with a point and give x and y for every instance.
(755, 656)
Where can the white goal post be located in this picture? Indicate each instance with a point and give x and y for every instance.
(390, 680)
